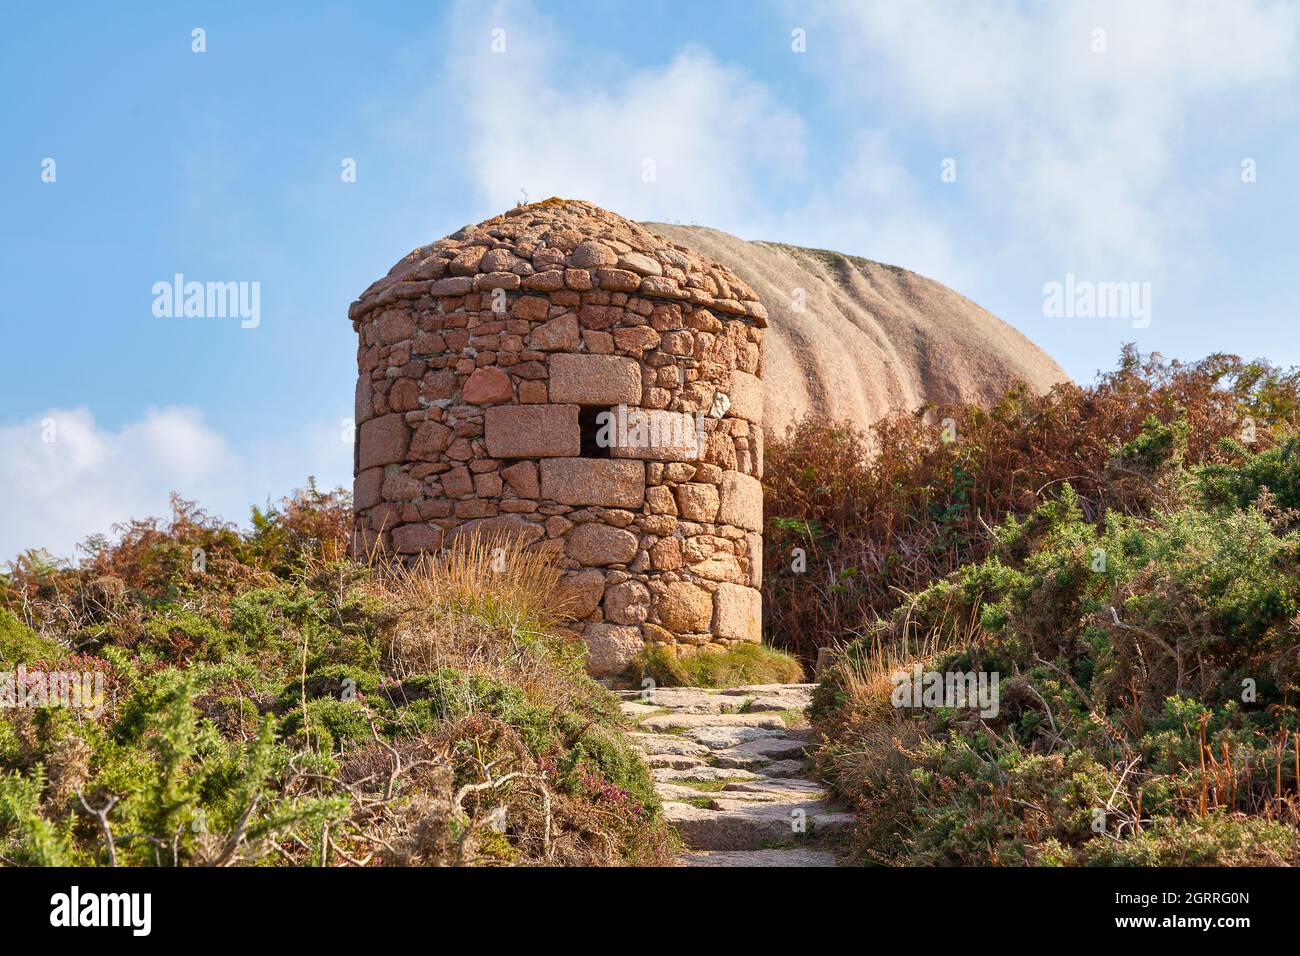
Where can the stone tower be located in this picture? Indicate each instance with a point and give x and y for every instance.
(561, 374)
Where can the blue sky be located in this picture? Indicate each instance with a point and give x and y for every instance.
(1113, 164)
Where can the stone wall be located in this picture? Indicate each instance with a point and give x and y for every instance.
(484, 361)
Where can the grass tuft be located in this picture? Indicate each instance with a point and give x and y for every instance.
(738, 665)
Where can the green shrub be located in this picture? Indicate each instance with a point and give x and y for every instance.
(882, 514)
(36, 841)
(330, 723)
(20, 645)
(738, 665)
(287, 705)
(1149, 672)
(1216, 840)
(1240, 484)
(655, 663)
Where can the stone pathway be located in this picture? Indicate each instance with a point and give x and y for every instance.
(730, 768)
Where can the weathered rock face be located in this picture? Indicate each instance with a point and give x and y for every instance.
(854, 339)
(486, 361)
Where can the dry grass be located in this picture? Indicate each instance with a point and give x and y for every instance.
(489, 576)
(884, 512)
(875, 743)
(737, 666)
(484, 606)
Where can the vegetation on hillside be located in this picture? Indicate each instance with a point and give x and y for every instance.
(1125, 556)
(269, 701)
(858, 520)
(1136, 587)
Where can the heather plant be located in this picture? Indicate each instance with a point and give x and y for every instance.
(858, 520)
(270, 701)
(1149, 680)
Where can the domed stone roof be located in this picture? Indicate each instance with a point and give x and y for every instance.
(558, 243)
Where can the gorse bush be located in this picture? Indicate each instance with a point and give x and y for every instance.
(1149, 663)
(269, 701)
(857, 520)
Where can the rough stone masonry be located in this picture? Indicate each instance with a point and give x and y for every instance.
(485, 362)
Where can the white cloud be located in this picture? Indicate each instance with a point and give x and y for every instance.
(875, 207)
(65, 477)
(1075, 149)
(1068, 160)
(538, 121)
(552, 116)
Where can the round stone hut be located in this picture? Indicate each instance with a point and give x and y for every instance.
(560, 374)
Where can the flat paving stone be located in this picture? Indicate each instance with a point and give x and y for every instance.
(793, 856)
(673, 761)
(752, 825)
(703, 774)
(668, 744)
(634, 709)
(678, 721)
(785, 768)
(720, 738)
(761, 751)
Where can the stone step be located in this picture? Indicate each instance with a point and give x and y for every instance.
(755, 753)
(782, 857)
(634, 709)
(658, 723)
(781, 769)
(684, 794)
(701, 774)
(691, 700)
(767, 811)
(687, 700)
(789, 785)
(749, 690)
(817, 812)
(753, 825)
(673, 761)
(720, 738)
(679, 793)
(759, 796)
(755, 705)
(753, 690)
(668, 744)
